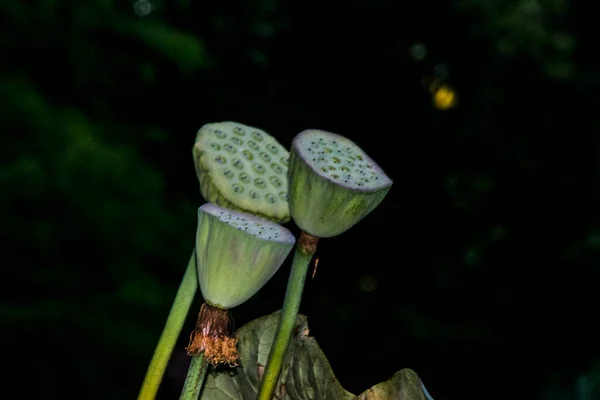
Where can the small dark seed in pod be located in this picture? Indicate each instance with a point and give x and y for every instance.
(220, 134)
(244, 177)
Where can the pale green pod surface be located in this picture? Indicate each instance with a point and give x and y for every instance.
(237, 253)
(242, 168)
(333, 183)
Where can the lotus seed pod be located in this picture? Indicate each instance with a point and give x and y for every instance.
(242, 168)
(237, 253)
(333, 183)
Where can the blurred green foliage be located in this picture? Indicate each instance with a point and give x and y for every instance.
(495, 255)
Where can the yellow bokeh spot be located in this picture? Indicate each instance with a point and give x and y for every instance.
(444, 97)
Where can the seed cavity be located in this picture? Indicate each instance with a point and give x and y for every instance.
(239, 131)
(253, 145)
(215, 146)
(253, 194)
(244, 177)
(230, 148)
(258, 168)
(265, 157)
(257, 136)
(272, 148)
(237, 140)
(220, 159)
(237, 188)
(237, 163)
(283, 196)
(270, 198)
(228, 174)
(247, 155)
(276, 168)
(260, 183)
(275, 181)
(220, 134)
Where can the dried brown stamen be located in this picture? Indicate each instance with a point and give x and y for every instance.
(211, 337)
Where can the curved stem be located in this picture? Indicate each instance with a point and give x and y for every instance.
(305, 249)
(195, 378)
(168, 338)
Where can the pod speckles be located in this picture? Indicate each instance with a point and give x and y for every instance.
(242, 168)
(333, 183)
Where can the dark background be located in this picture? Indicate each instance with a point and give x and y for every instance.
(484, 256)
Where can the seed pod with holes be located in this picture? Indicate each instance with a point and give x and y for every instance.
(242, 168)
(333, 183)
(237, 254)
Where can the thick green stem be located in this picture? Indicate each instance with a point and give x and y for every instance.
(195, 378)
(305, 249)
(168, 338)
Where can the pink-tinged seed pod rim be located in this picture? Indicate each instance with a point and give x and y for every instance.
(256, 226)
(355, 170)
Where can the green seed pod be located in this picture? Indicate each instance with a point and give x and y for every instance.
(237, 254)
(333, 183)
(242, 168)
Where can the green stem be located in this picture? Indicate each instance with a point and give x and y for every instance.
(195, 378)
(168, 338)
(287, 320)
